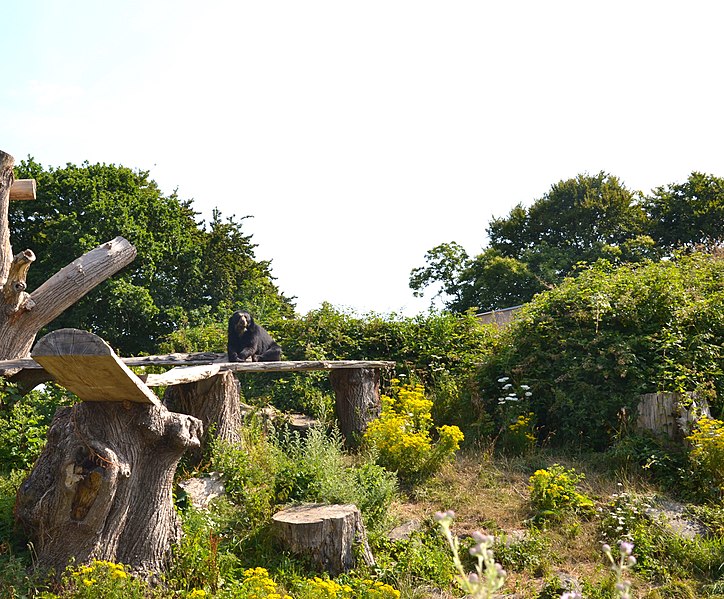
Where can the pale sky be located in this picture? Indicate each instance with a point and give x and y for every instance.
(359, 135)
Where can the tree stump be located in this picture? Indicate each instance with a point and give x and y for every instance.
(102, 487)
(357, 399)
(326, 533)
(214, 401)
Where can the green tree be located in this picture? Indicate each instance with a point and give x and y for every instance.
(579, 220)
(184, 272)
(688, 214)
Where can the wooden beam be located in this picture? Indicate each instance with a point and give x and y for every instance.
(180, 375)
(23, 189)
(219, 359)
(86, 365)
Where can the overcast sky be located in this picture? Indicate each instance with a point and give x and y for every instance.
(359, 135)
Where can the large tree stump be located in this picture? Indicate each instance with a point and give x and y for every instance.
(357, 399)
(326, 533)
(102, 487)
(214, 401)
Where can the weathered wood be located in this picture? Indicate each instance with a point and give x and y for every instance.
(201, 358)
(23, 189)
(326, 533)
(86, 365)
(103, 486)
(215, 402)
(670, 414)
(180, 375)
(6, 182)
(15, 299)
(357, 399)
(19, 323)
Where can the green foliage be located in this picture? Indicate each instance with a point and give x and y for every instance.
(314, 468)
(183, 266)
(661, 554)
(531, 553)
(706, 452)
(249, 471)
(24, 422)
(423, 558)
(688, 214)
(553, 493)
(200, 562)
(589, 347)
(401, 435)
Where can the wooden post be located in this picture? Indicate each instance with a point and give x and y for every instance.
(215, 402)
(357, 399)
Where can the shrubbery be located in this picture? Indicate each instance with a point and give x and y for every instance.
(401, 436)
(589, 347)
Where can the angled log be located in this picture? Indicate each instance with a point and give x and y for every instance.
(20, 321)
(86, 365)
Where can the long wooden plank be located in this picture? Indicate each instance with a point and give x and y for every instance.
(180, 375)
(86, 365)
(201, 358)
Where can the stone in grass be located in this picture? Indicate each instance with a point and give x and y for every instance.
(325, 533)
(201, 490)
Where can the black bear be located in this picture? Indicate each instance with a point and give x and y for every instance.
(250, 340)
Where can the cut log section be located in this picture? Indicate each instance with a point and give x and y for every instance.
(325, 533)
(23, 189)
(86, 365)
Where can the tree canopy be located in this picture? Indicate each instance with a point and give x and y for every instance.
(579, 221)
(186, 271)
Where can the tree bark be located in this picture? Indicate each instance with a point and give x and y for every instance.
(6, 182)
(357, 399)
(102, 487)
(326, 533)
(215, 402)
(22, 315)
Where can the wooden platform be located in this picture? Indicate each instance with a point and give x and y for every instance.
(82, 361)
(86, 365)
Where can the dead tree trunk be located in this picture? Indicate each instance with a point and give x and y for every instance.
(357, 398)
(23, 314)
(102, 487)
(214, 401)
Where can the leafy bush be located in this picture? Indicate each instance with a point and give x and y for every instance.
(249, 470)
(24, 423)
(553, 493)
(589, 347)
(314, 468)
(401, 435)
(707, 450)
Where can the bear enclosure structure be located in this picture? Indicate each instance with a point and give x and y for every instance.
(102, 487)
